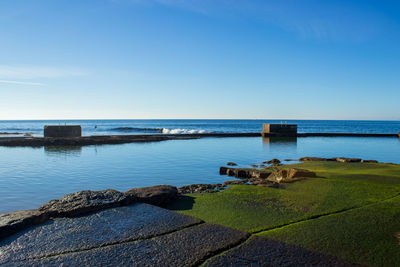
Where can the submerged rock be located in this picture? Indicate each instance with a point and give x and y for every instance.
(83, 202)
(155, 195)
(231, 164)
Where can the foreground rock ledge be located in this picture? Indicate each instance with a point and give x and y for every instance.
(83, 202)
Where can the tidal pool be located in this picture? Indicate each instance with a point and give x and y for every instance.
(29, 177)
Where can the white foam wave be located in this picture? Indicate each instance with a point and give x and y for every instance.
(182, 131)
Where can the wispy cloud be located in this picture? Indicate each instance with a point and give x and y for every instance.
(310, 19)
(21, 83)
(37, 72)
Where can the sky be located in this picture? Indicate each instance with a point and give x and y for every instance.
(182, 59)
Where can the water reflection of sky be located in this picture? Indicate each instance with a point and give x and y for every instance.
(31, 176)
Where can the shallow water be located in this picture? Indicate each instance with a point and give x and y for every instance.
(29, 177)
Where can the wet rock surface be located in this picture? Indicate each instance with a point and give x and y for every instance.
(111, 226)
(186, 246)
(259, 251)
(15, 221)
(231, 164)
(156, 195)
(200, 188)
(83, 202)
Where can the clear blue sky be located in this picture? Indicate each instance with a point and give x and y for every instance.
(309, 59)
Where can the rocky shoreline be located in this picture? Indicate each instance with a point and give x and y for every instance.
(84, 202)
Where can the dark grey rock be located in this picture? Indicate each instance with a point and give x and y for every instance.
(231, 172)
(187, 247)
(83, 202)
(272, 161)
(259, 251)
(223, 170)
(155, 195)
(18, 220)
(243, 173)
(110, 226)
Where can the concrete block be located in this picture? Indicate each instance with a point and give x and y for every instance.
(62, 131)
(279, 130)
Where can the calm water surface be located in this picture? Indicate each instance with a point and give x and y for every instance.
(29, 177)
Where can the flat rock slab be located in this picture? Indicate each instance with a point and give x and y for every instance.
(106, 227)
(260, 251)
(187, 247)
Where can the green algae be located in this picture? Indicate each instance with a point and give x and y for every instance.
(351, 210)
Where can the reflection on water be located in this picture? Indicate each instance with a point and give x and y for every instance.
(63, 151)
(280, 143)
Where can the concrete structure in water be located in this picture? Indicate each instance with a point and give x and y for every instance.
(287, 130)
(62, 131)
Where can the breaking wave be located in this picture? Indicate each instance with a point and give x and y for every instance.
(182, 131)
(157, 130)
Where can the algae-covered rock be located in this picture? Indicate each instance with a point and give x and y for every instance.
(369, 161)
(316, 159)
(346, 160)
(200, 188)
(290, 175)
(233, 182)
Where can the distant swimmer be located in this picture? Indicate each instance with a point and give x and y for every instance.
(95, 126)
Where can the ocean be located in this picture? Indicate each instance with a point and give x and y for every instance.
(109, 127)
(29, 177)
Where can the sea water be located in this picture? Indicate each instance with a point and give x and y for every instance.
(108, 127)
(29, 177)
